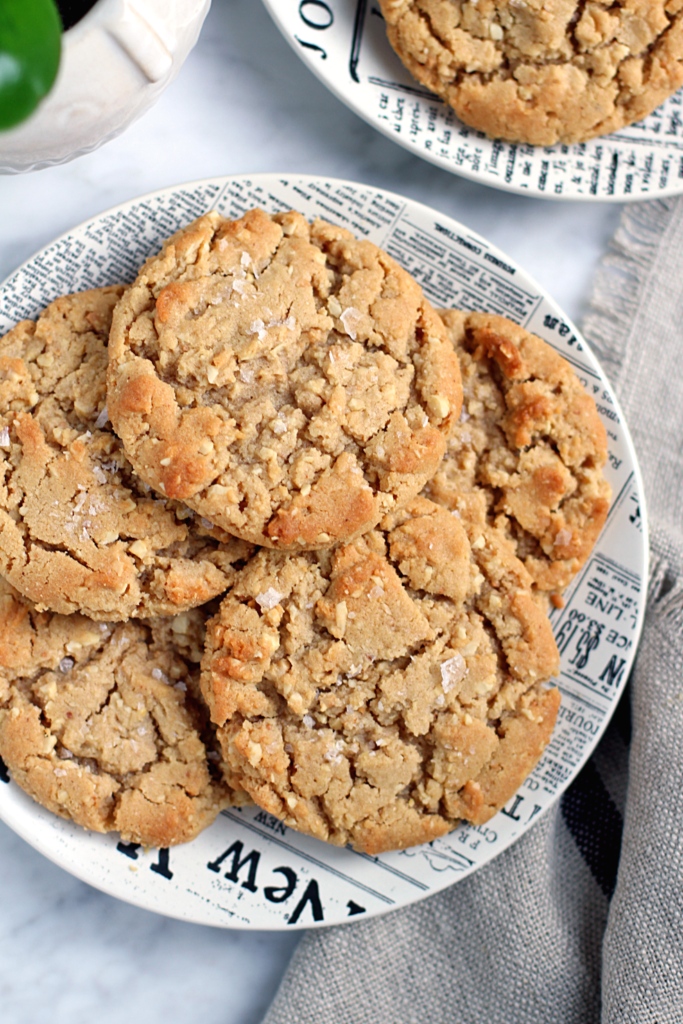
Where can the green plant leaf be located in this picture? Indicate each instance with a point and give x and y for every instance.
(30, 48)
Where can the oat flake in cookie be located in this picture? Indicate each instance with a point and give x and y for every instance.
(287, 381)
(542, 71)
(529, 450)
(380, 692)
(78, 530)
(102, 723)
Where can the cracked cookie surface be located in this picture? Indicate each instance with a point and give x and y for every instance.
(528, 453)
(103, 723)
(542, 71)
(287, 381)
(378, 693)
(78, 530)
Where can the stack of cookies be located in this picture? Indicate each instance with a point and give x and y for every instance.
(255, 546)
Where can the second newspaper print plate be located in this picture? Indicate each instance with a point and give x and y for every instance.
(344, 43)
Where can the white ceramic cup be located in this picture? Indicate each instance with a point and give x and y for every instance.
(116, 62)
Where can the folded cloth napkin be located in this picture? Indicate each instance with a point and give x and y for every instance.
(582, 919)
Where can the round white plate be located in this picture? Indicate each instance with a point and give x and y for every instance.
(248, 870)
(344, 43)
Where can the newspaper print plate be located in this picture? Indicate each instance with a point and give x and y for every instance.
(248, 870)
(344, 43)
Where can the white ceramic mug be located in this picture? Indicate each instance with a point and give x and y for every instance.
(116, 62)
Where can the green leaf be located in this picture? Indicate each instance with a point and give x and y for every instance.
(30, 48)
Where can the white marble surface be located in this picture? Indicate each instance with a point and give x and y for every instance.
(242, 103)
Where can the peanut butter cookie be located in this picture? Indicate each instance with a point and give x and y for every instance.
(378, 693)
(528, 452)
(542, 71)
(103, 723)
(288, 382)
(78, 530)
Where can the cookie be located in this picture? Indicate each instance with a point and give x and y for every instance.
(103, 724)
(529, 450)
(379, 693)
(542, 72)
(78, 531)
(288, 382)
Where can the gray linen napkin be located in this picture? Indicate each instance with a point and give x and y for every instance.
(561, 929)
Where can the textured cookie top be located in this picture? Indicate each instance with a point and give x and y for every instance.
(103, 723)
(365, 695)
(287, 381)
(542, 71)
(528, 452)
(78, 530)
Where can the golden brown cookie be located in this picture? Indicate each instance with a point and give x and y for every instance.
(542, 71)
(103, 723)
(78, 530)
(528, 452)
(287, 381)
(377, 694)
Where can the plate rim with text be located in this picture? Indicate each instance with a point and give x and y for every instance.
(348, 88)
(70, 847)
